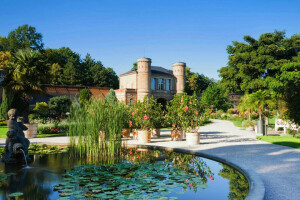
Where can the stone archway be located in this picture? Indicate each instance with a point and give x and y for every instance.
(163, 102)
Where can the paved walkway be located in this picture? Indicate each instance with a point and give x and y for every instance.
(277, 166)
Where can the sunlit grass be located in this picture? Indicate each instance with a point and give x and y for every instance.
(293, 142)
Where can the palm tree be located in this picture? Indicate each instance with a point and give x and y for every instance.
(26, 73)
(260, 100)
(246, 104)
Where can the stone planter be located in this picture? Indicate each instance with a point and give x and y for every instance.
(126, 132)
(144, 136)
(176, 134)
(32, 130)
(135, 134)
(156, 133)
(192, 138)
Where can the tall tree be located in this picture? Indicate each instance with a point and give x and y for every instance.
(196, 82)
(21, 38)
(251, 62)
(216, 95)
(24, 76)
(269, 63)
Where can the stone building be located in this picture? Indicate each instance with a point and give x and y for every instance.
(149, 81)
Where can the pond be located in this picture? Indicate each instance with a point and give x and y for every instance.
(141, 174)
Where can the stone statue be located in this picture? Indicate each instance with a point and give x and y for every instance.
(16, 145)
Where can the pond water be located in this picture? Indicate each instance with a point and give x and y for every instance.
(142, 174)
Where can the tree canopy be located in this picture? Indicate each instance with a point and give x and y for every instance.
(270, 63)
(196, 82)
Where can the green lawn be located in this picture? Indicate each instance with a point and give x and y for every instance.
(3, 131)
(293, 142)
(237, 123)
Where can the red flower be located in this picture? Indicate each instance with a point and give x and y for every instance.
(210, 111)
(130, 123)
(191, 184)
(146, 117)
(190, 102)
(186, 108)
(56, 130)
(196, 113)
(186, 179)
(138, 156)
(130, 152)
(56, 117)
(211, 106)
(132, 113)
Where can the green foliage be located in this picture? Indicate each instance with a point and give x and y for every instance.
(5, 106)
(85, 96)
(288, 141)
(216, 95)
(23, 37)
(52, 129)
(134, 66)
(269, 63)
(60, 105)
(239, 186)
(42, 109)
(95, 130)
(196, 82)
(111, 97)
(144, 113)
(248, 123)
(185, 111)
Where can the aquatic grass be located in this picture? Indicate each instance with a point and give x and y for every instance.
(95, 131)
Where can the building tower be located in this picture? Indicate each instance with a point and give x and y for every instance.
(179, 73)
(143, 78)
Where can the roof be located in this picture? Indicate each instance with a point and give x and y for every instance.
(154, 70)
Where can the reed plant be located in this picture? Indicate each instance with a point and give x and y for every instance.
(95, 131)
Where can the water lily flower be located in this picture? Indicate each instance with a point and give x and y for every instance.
(186, 179)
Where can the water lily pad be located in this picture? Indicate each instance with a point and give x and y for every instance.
(16, 194)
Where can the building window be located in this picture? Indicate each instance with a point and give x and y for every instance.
(160, 84)
(168, 84)
(153, 83)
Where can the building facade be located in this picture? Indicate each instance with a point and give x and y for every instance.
(148, 80)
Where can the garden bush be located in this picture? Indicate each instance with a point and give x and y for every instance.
(59, 105)
(248, 123)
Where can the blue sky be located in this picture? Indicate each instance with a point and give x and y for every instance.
(118, 32)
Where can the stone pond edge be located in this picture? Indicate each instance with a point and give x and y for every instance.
(257, 187)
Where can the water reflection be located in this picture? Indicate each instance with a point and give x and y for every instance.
(37, 181)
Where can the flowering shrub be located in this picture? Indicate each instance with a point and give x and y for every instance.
(126, 119)
(186, 112)
(144, 114)
(192, 115)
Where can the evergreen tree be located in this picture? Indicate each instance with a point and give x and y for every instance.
(5, 106)
(111, 97)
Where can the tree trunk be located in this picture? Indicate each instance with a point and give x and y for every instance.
(259, 112)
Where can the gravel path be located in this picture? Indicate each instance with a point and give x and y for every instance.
(277, 166)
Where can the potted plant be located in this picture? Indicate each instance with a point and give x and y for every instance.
(132, 122)
(174, 116)
(144, 119)
(191, 118)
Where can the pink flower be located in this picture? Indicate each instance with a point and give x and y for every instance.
(196, 113)
(190, 102)
(186, 179)
(132, 158)
(146, 117)
(130, 152)
(191, 184)
(211, 106)
(130, 123)
(132, 113)
(186, 108)
(138, 156)
(197, 173)
(210, 111)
